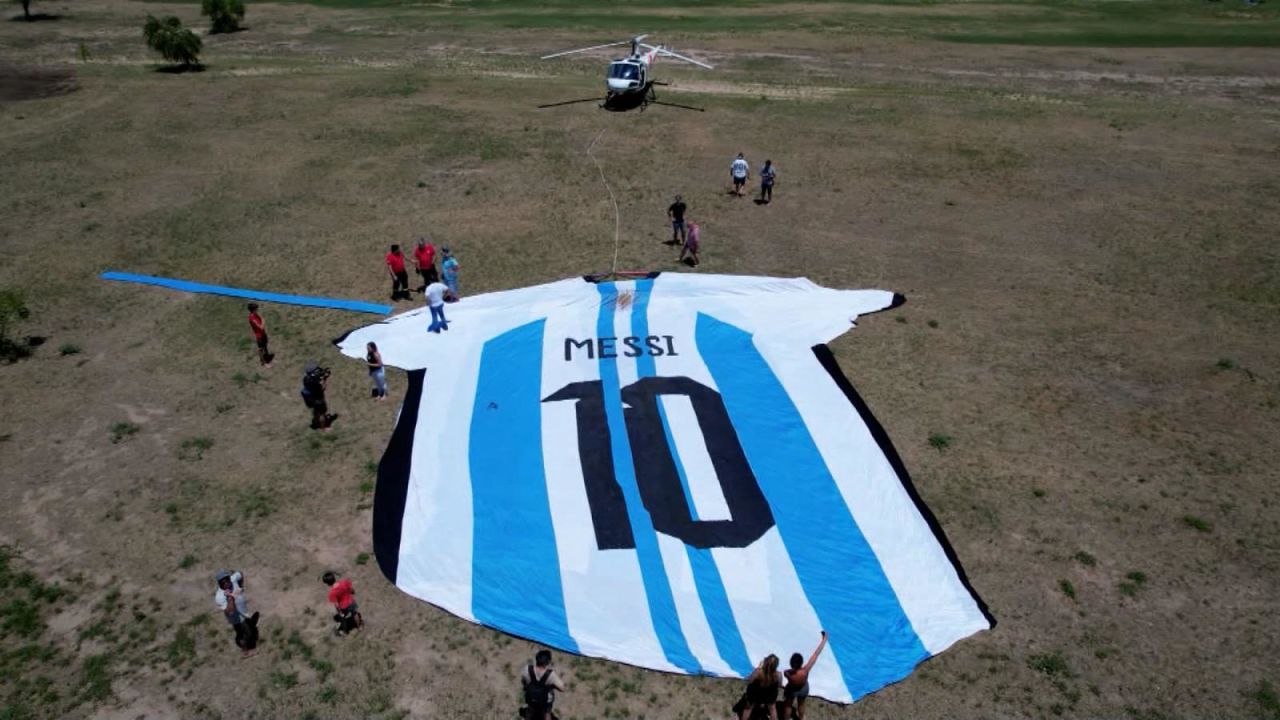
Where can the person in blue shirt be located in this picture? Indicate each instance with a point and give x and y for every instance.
(768, 174)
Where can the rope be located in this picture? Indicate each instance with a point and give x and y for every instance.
(617, 216)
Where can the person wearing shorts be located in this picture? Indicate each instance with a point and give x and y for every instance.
(740, 171)
(796, 691)
(691, 243)
(675, 213)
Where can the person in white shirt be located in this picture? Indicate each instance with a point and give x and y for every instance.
(740, 171)
(437, 292)
(231, 600)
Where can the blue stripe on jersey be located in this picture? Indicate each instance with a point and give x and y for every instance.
(706, 576)
(515, 567)
(657, 588)
(871, 637)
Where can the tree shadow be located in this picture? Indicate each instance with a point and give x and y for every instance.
(240, 29)
(180, 69)
(35, 17)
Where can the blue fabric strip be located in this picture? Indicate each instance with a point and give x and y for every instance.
(195, 287)
(871, 638)
(706, 576)
(657, 588)
(515, 566)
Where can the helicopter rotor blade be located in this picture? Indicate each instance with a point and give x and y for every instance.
(585, 49)
(569, 102)
(678, 56)
(677, 105)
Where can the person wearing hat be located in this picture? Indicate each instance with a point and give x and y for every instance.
(231, 600)
(449, 267)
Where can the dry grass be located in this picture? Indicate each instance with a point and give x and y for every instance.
(1080, 240)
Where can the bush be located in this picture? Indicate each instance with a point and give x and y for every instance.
(224, 14)
(174, 42)
(12, 308)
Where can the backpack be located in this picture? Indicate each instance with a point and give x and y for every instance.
(537, 693)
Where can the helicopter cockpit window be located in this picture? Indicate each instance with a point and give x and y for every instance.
(624, 71)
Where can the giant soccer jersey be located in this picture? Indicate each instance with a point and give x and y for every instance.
(669, 472)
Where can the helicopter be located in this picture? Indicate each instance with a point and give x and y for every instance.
(628, 82)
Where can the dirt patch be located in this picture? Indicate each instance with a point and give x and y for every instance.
(18, 82)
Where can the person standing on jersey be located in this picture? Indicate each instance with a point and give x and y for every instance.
(796, 692)
(233, 603)
(399, 277)
(768, 174)
(377, 371)
(437, 293)
(675, 213)
(449, 268)
(424, 258)
(740, 171)
(540, 684)
(691, 243)
(259, 328)
(342, 595)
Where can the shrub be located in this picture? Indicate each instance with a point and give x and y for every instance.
(174, 42)
(225, 15)
(12, 308)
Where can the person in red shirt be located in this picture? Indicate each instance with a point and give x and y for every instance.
(399, 277)
(424, 256)
(259, 327)
(343, 598)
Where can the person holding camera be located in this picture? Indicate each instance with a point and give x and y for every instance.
(314, 381)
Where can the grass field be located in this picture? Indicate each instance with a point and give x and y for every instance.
(1078, 199)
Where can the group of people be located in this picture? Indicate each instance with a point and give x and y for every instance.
(760, 699)
(436, 292)
(424, 262)
(740, 173)
(685, 231)
(231, 599)
(437, 286)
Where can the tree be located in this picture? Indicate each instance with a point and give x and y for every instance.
(225, 14)
(174, 42)
(12, 308)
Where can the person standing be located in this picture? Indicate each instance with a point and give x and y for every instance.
(259, 327)
(314, 381)
(231, 600)
(740, 171)
(691, 243)
(437, 293)
(342, 595)
(424, 257)
(675, 213)
(540, 684)
(399, 277)
(449, 268)
(796, 692)
(377, 371)
(768, 174)
(762, 690)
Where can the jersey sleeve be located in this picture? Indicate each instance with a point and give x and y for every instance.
(787, 311)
